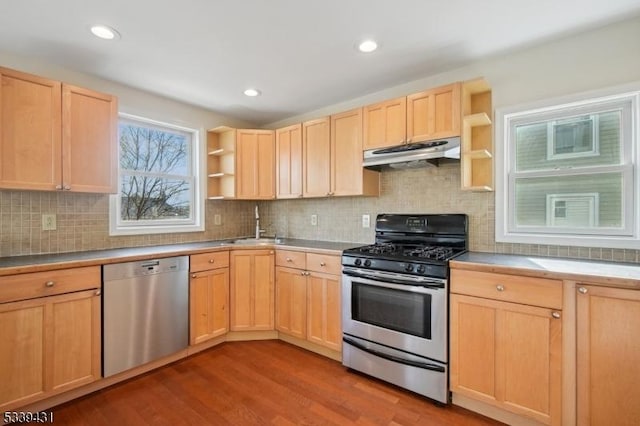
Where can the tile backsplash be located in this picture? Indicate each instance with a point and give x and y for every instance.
(83, 219)
(83, 223)
(426, 190)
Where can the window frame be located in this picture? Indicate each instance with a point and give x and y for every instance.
(144, 227)
(593, 102)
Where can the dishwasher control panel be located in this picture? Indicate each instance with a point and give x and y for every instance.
(145, 267)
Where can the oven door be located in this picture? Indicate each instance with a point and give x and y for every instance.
(396, 310)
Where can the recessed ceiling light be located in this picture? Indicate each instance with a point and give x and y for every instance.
(252, 92)
(104, 32)
(367, 46)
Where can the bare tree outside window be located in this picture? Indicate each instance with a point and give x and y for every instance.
(155, 178)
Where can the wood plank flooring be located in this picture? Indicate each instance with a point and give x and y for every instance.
(258, 383)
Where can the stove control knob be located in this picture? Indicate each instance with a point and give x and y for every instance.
(367, 262)
(358, 262)
(409, 267)
(421, 269)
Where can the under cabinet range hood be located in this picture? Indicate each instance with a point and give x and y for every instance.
(413, 155)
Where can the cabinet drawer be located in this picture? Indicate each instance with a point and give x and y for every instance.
(39, 284)
(208, 261)
(324, 263)
(291, 259)
(510, 288)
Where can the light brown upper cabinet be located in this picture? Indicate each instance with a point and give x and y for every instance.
(428, 115)
(385, 123)
(289, 162)
(55, 136)
(348, 177)
(316, 164)
(255, 164)
(434, 114)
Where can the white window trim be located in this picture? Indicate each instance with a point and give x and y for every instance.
(551, 139)
(504, 234)
(195, 223)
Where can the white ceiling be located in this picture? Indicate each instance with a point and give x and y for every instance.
(300, 54)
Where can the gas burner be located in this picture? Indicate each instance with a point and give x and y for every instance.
(431, 252)
(380, 248)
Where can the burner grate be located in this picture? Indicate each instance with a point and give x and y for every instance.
(431, 252)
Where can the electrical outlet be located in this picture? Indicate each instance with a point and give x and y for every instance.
(366, 221)
(314, 220)
(48, 222)
(217, 219)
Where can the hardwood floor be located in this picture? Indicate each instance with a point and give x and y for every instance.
(258, 383)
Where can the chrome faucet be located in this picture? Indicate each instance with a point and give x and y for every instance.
(258, 230)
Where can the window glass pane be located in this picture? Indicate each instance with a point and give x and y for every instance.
(154, 198)
(580, 201)
(569, 142)
(150, 149)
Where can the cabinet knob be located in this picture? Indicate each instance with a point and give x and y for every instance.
(556, 315)
(98, 292)
(500, 287)
(50, 283)
(323, 264)
(67, 187)
(289, 259)
(583, 290)
(303, 273)
(211, 260)
(193, 275)
(58, 187)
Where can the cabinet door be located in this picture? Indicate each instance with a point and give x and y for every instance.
(208, 303)
(30, 131)
(50, 345)
(89, 138)
(289, 162)
(316, 165)
(252, 290)
(324, 325)
(22, 333)
(346, 153)
(74, 351)
(608, 356)
(385, 123)
(291, 302)
(434, 114)
(255, 165)
(508, 355)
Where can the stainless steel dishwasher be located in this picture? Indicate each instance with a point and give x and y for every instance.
(145, 308)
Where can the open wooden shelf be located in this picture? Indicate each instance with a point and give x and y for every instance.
(221, 163)
(476, 145)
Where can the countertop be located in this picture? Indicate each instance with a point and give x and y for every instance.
(613, 274)
(45, 262)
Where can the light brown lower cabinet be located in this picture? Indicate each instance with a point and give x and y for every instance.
(324, 325)
(252, 290)
(507, 355)
(209, 304)
(49, 345)
(608, 356)
(291, 302)
(308, 299)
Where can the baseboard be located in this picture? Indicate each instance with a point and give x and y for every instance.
(491, 411)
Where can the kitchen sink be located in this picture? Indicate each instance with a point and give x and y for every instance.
(258, 241)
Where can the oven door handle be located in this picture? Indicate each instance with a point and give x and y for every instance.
(424, 365)
(392, 280)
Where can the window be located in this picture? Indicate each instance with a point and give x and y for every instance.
(568, 172)
(573, 137)
(157, 179)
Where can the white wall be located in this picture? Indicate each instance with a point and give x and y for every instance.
(596, 59)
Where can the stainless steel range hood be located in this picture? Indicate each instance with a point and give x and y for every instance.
(420, 154)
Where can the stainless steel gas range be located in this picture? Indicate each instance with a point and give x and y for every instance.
(395, 300)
